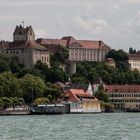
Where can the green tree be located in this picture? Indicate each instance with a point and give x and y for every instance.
(120, 57)
(32, 87)
(77, 78)
(14, 65)
(7, 102)
(132, 50)
(60, 55)
(57, 74)
(52, 74)
(39, 101)
(9, 85)
(4, 66)
(102, 96)
(8, 63)
(53, 92)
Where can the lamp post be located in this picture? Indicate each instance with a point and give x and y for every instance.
(32, 95)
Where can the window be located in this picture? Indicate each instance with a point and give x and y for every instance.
(47, 59)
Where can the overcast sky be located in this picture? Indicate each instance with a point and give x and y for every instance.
(116, 22)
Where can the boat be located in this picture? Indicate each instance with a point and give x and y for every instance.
(49, 109)
(15, 111)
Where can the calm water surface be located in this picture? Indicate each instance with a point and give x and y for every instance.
(117, 126)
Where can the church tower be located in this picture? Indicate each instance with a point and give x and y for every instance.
(23, 34)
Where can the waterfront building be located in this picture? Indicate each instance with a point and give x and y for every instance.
(134, 61)
(79, 50)
(124, 96)
(81, 101)
(25, 48)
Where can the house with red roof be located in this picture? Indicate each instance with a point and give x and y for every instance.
(82, 101)
(124, 96)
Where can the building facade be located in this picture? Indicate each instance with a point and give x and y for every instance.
(83, 50)
(25, 48)
(79, 50)
(124, 96)
(81, 101)
(134, 61)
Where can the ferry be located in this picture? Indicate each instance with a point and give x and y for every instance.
(49, 109)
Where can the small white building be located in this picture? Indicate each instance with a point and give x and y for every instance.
(134, 61)
(81, 101)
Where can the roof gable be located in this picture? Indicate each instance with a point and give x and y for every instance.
(78, 94)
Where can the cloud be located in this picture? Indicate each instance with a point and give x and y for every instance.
(131, 26)
(116, 22)
(115, 7)
(8, 18)
(40, 33)
(94, 26)
(130, 1)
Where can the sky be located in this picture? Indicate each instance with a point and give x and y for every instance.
(116, 22)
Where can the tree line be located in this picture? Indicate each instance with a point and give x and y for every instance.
(36, 84)
(96, 71)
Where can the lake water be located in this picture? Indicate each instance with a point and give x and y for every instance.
(111, 126)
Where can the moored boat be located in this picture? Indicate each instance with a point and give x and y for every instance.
(49, 109)
(15, 111)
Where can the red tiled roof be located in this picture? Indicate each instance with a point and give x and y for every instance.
(135, 56)
(76, 94)
(122, 88)
(4, 44)
(21, 45)
(67, 41)
(52, 42)
(90, 44)
(80, 92)
(27, 44)
(93, 44)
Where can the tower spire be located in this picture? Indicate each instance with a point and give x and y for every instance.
(23, 24)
